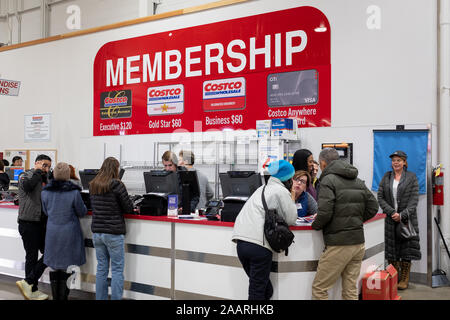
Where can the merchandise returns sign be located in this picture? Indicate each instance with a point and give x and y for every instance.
(224, 75)
(9, 87)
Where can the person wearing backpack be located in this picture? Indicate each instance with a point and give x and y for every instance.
(253, 249)
(345, 203)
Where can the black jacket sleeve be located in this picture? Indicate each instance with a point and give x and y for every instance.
(121, 193)
(30, 184)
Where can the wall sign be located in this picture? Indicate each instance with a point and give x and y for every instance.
(37, 127)
(222, 75)
(9, 87)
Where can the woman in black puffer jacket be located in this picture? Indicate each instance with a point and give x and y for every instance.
(398, 195)
(109, 201)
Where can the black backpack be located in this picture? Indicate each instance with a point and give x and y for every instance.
(276, 230)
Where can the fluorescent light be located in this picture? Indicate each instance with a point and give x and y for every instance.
(320, 29)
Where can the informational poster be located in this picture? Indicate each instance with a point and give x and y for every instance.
(223, 75)
(37, 127)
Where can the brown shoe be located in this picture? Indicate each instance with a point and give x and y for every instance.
(404, 276)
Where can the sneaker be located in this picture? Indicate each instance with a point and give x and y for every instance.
(25, 289)
(37, 295)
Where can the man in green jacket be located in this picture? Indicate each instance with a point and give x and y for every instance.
(345, 204)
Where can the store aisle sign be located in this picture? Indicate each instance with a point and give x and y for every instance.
(37, 127)
(9, 87)
(223, 75)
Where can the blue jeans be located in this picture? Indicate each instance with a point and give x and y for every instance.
(109, 247)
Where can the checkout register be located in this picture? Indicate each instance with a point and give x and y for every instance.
(159, 184)
(237, 187)
(86, 176)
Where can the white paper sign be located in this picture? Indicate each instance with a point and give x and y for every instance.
(37, 127)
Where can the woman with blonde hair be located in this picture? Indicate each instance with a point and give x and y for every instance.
(109, 201)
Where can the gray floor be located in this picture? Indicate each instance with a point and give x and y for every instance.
(9, 291)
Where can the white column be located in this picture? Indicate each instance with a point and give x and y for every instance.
(444, 114)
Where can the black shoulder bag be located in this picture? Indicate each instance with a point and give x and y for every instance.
(276, 230)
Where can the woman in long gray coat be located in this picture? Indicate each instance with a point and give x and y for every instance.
(398, 195)
(64, 244)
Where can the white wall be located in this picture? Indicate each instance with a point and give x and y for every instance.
(93, 13)
(380, 78)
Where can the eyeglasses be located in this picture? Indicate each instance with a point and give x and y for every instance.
(45, 165)
(301, 181)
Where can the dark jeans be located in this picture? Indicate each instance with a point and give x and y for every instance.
(33, 238)
(257, 263)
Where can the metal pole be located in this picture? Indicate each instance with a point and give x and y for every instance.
(44, 19)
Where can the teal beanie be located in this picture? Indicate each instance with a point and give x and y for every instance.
(281, 169)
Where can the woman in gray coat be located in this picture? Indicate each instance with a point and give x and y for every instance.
(64, 244)
(398, 195)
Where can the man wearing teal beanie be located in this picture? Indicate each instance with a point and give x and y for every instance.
(253, 250)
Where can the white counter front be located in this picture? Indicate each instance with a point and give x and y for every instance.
(168, 258)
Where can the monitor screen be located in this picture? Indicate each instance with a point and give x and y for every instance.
(239, 183)
(190, 178)
(161, 181)
(14, 172)
(190, 188)
(87, 175)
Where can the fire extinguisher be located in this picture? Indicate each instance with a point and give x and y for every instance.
(438, 186)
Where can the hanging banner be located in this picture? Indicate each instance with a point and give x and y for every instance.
(223, 75)
(413, 142)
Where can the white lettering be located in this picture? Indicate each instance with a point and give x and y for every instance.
(254, 51)
(173, 64)
(374, 20)
(131, 69)
(147, 68)
(117, 75)
(210, 59)
(190, 61)
(73, 22)
(277, 49)
(290, 49)
(236, 55)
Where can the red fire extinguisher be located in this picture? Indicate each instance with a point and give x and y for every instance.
(438, 186)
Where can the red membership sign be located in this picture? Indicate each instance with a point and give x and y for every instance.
(223, 75)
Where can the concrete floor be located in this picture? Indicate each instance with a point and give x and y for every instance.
(9, 291)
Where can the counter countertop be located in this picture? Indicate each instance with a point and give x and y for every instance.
(194, 221)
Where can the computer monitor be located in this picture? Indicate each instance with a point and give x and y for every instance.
(190, 188)
(14, 172)
(161, 181)
(87, 175)
(239, 183)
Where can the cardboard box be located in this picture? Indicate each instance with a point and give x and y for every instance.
(376, 286)
(263, 128)
(284, 128)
